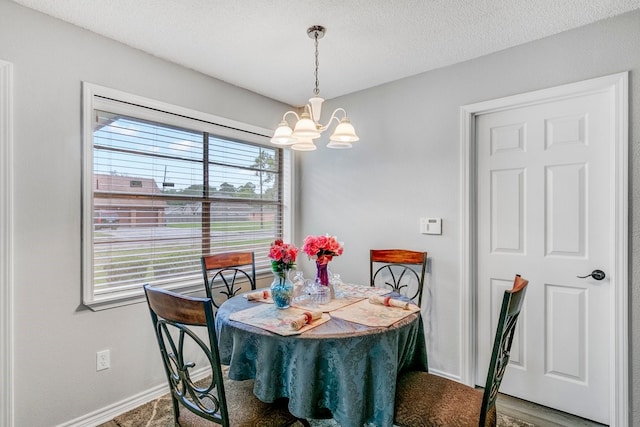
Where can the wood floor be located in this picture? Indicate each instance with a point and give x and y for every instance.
(539, 416)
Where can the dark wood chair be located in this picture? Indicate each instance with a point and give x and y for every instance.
(224, 273)
(423, 399)
(399, 269)
(186, 347)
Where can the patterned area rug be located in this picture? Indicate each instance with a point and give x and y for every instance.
(159, 413)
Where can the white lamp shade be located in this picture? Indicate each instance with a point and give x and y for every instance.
(282, 135)
(344, 132)
(304, 144)
(305, 128)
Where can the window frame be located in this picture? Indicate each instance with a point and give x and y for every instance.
(97, 97)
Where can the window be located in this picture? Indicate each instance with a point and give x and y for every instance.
(163, 186)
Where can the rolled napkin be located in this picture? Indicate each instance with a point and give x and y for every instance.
(306, 318)
(258, 295)
(389, 302)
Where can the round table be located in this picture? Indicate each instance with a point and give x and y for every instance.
(340, 366)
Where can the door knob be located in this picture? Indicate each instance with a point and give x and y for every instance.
(596, 274)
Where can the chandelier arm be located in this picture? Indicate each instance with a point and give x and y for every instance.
(284, 116)
(333, 117)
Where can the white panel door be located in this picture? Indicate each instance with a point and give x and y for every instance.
(544, 212)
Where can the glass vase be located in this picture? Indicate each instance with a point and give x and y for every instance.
(322, 278)
(322, 273)
(281, 289)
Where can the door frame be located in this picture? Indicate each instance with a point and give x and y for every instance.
(617, 85)
(6, 244)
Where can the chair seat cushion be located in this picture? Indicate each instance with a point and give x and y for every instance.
(423, 399)
(245, 410)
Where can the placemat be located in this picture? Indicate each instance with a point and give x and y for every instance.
(362, 291)
(272, 319)
(368, 314)
(332, 305)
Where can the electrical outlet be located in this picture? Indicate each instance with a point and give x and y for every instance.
(103, 360)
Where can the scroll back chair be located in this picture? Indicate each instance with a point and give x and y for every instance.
(177, 319)
(393, 268)
(423, 399)
(229, 268)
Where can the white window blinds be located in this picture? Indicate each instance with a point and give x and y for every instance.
(163, 195)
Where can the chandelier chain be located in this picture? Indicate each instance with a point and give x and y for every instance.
(316, 90)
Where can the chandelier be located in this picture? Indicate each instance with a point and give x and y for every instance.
(308, 126)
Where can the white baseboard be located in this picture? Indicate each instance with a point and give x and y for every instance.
(109, 412)
(445, 374)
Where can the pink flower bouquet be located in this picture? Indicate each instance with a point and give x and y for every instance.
(283, 256)
(322, 248)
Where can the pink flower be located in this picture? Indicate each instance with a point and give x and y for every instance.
(322, 248)
(283, 255)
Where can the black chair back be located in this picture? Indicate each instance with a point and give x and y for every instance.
(224, 274)
(511, 306)
(400, 270)
(175, 320)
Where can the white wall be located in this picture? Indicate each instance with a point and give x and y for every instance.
(56, 339)
(406, 166)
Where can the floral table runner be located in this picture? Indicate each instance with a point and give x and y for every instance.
(369, 314)
(270, 318)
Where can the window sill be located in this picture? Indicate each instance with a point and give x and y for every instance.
(136, 296)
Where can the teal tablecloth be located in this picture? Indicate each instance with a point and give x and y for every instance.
(347, 368)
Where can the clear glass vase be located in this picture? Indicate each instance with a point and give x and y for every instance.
(336, 285)
(322, 280)
(281, 289)
(298, 286)
(322, 273)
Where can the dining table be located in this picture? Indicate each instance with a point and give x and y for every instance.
(342, 365)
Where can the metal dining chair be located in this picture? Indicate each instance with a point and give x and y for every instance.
(424, 399)
(400, 270)
(224, 274)
(178, 321)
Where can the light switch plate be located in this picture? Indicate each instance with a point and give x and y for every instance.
(431, 225)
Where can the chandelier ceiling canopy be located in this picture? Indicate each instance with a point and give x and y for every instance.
(307, 126)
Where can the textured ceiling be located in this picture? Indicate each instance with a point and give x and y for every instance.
(262, 45)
